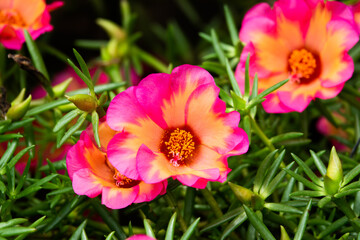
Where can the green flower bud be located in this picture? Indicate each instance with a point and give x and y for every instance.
(19, 98)
(18, 109)
(84, 102)
(241, 193)
(60, 89)
(247, 196)
(112, 29)
(334, 174)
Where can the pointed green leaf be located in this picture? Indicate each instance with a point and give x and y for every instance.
(12, 222)
(73, 129)
(307, 170)
(333, 227)
(233, 30)
(280, 207)
(247, 77)
(286, 136)
(33, 225)
(319, 164)
(225, 218)
(95, 124)
(258, 224)
(110, 236)
(351, 175)
(86, 80)
(217, 48)
(14, 231)
(303, 221)
(82, 64)
(76, 235)
(325, 200)
(272, 171)
(303, 180)
(233, 82)
(261, 172)
(234, 224)
(66, 119)
(148, 229)
(191, 229)
(284, 235)
(171, 228)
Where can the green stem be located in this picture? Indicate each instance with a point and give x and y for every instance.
(261, 134)
(343, 205)
(170, 199)
(212, 202)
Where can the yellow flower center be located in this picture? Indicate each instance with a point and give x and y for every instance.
(121, 181)
(11, 17)
(178, 145)
(124, 182)
(303, 65)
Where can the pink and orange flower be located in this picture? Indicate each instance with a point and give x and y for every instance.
(17, 15)
(174, 125)
(92, 173)
(140, 237)
(306, 41)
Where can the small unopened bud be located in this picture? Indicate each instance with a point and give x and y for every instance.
(334, 174)
(19, 98)
(84, 102)
(112, 29)
(60, 89)
(242, 193)
(18, 109)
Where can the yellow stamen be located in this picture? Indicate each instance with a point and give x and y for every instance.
(302, 64)
(121, 180)
(180, 146)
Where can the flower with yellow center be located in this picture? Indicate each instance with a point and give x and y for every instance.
(174, 125)
(92, 174)
(305, 41)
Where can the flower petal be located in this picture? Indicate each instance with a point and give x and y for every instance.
(148, 192)
(86, 183)
(117, 198)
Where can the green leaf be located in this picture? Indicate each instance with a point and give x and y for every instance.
(35, 55)
(347, 192)
(302, 225)
(233, 30)
(319, 164)
(11, 146)
(258, 224)
(284, 235)
(233, 82)
(261, 172)
(303, 180)
(325, 200)
(33, 225)
(239, 103)
(86, 80)
(83, 235)
(95, 124)
(247, 77)
(148, 229)
(191, 229)
(14, 231)
(189, 202)
(225, 218)
(18, 156)
(285, 136)
(351, 175)
(110, 236)
(7, 137)
(269, 90)
(73, 129)
(171, 228)
(280, 207)
(288, 188)
(225, 47)
(351, 186)
(308, 171)
(12, 222)
(149, 59)
(82, 64)
(234, 224)
(275, 182)
(66, 119)
(308, 193)
(216, 44)
(272, 171)
(76, 235)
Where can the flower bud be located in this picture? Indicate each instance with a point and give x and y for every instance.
(84, 102)
(334, 174)
(247, 196)
(112, 29)
(18, 107)
(60, 88)
(284, 235)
